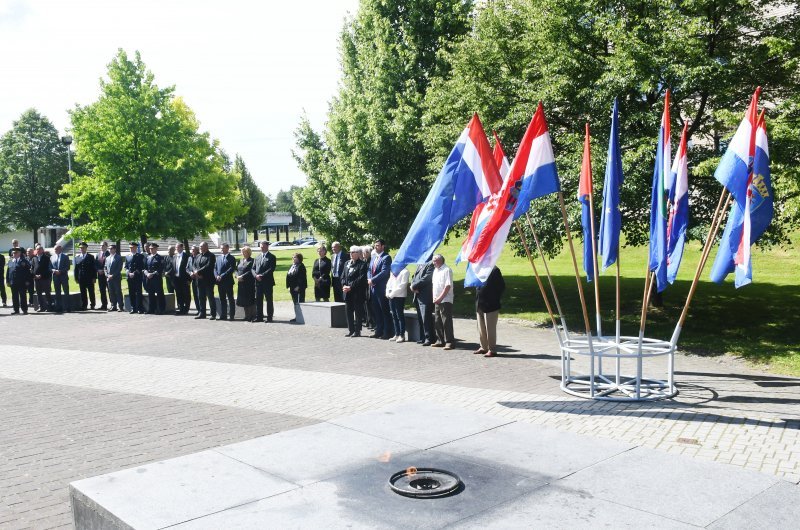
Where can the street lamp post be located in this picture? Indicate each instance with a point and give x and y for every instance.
(67, 141)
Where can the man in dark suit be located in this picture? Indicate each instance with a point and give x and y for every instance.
(263, 270)
(102, 283)
(338, 259)
(204, 265)
(60, 263)
(195, 254)
(169, 269)
(31, 255)
(3, 279)
(134, 264)
(181, 280)
(223, 273)
(18, 276)
(378, 274)
(42, 276)
(113, 274)
(422, 287)
(85, 273)
(154, 274)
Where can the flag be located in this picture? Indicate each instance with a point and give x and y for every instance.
(469, 175)
(480, 215)
(748, 219)
(679, 209)
(532, 174)
(584, 195)
(658, 202)
(610, 218)
(734, 168)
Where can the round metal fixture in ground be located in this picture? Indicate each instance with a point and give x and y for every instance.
(425, 483)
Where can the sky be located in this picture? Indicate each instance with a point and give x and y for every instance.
(247, 68)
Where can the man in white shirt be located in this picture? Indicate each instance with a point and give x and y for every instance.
(443, 303)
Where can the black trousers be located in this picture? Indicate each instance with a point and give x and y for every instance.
(43, 295)
(102, 284)
(182, 296)
(264, 291)
(196, 294)
(3, 287)
(336, 283)
(87, 290)
(298, 297)
(425, 320)
(61, 284)
(226, 300)
(170, 284)
(381, 313)
(135, 292)
(19, 297)
(355, 313)
(156, 303)
(206, 291)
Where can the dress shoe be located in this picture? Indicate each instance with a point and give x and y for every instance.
(356, 334)
(426, 343)
(212, 317)
(490, 353)
(293, 320)
(200, 317)
(421, 341)
(103, 307)
(387, 337)
(92, 307)
(375, 336)
(437, 345)
(448, 346)
(349, 334)
(479, 351)
(132, 312)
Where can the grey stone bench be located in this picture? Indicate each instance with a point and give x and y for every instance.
(323, 314)
(169, 299)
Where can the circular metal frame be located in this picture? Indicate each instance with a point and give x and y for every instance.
(425, 483)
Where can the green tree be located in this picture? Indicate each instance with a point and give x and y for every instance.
(153, 173)
(253, 199)
(577, 55)
(33, 168)
(366, 171)
(286, 200)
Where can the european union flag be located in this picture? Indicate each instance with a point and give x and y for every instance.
(610, 218)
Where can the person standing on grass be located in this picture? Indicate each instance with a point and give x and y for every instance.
(443, 303)
(223, 273)
(396, 291)
(113, 273)
(487, 308)
(60, 263)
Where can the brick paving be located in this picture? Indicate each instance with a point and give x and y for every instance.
(82, 395)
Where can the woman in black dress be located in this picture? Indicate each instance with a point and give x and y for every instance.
(296, 279)
(354, 287)
(322, 275)
(246, 294)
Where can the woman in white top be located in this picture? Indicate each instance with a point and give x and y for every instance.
(396, 290)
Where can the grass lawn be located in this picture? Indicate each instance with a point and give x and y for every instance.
(759, 322)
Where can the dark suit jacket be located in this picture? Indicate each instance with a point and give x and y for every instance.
(224, 268)
(18, 274)
(423, 283)
(297, 278)
(487, 297)
(337, 270)
(204, 267)
(85, 268)
(43, 267)
(60, 262)
(355, 275)
(322, 271)
(134, 264)
(265, 265)
(182, 265)
(114, 266)
(155, 264)
(169, 267)
(380, 268)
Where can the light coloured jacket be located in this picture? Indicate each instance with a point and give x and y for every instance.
(397, 286)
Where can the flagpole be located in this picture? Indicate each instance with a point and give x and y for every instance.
(549, 277)
(580, 291)
(618, 322)
(538, 279)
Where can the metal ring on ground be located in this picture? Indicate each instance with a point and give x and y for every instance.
(425, 483)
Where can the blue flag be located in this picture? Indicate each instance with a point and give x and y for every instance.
(610, 218)
(658, 202)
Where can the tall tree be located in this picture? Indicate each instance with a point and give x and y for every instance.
(153, 172)
(368, 167)
(577, 55)
(253, 199)
(33, 168)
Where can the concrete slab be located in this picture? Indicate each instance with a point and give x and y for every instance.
(313, 453)
(323, 314)
(169, 299)
(412, 325)
(776, 507)
(558, 507)
(420, 424)
(534, 450)
(691, 491)
(170, 492)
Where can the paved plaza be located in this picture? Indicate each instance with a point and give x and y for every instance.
(87, 394)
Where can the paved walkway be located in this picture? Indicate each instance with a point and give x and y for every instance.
(85, 394)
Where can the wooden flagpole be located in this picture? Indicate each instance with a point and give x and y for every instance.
(549, 277)
(580, 291)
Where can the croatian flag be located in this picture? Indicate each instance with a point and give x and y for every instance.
(610, 217)
(734, 169)
(467, 178)
(481, 215)
(584, 194)
(679, 209)
(658, 202)
(532, 174)
(748, 219)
